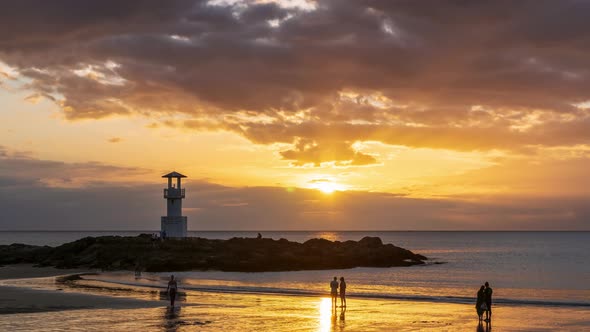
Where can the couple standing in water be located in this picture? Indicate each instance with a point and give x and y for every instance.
(334, 292)
(484, 302)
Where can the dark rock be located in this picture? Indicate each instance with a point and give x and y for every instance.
(236, 254)
(370, 242)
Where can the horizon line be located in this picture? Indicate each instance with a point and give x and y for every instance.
(276, 231)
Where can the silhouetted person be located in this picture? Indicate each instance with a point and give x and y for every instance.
(488, 300)
(334, 291)
(155, 239)
(172, 289)
(342, 292)
(480, 303)
(259, 236)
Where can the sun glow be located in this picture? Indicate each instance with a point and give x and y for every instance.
(326, 186)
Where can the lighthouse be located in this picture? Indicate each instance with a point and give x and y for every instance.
(174, 223)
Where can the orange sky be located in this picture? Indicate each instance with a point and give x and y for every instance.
(481, 105)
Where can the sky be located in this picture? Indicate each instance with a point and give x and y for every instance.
(296, 115)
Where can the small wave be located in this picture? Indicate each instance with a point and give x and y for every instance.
(303, 292)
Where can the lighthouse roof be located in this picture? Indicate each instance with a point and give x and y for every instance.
(174, 175)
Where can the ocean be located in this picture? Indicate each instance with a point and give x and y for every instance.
(524, 268)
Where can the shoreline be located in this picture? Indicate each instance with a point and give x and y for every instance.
(251, 312)
(84, 279)
(277, 291)
(43, 293)
(17, 300)
(27, 271)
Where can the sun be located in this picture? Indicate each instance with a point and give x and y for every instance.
(326, 186)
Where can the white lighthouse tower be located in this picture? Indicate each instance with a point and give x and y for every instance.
(174, 224)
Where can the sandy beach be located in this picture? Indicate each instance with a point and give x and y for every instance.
(35, 289)
(41, 303)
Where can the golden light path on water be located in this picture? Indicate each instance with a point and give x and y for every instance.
(326, 312)
(330, 318)
(331, 236)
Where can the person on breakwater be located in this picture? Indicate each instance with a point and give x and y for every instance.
(172, 289)
(334, 291)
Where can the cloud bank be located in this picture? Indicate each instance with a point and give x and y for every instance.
(465, 76)
(38, 194)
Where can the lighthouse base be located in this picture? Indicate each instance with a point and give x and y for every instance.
(174, 226)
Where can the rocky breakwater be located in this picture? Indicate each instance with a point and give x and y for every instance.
(236, 254)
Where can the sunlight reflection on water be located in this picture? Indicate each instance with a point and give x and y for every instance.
(330, 318)
(332, 236)
(326, 314)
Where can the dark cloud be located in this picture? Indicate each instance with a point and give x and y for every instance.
(450, 74)
(22, 168)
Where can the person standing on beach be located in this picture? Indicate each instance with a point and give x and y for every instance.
(334, 291)
(480, 303)
(488, 300)
(342, 293)
(172, 289)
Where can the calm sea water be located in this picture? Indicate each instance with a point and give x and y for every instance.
(524, 268)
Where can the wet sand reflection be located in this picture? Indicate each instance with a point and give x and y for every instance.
(331, 318)
(171, 318)
(484, 326)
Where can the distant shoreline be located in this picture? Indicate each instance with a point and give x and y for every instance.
(296, 231)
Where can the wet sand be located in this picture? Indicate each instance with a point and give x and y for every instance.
(208, 311)
(36, 290)
(19, 300)
(20, 271)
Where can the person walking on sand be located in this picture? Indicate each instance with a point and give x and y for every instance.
(480, 305)
(488, 301)
(172, 289)
(342, 293)
(334, 291)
